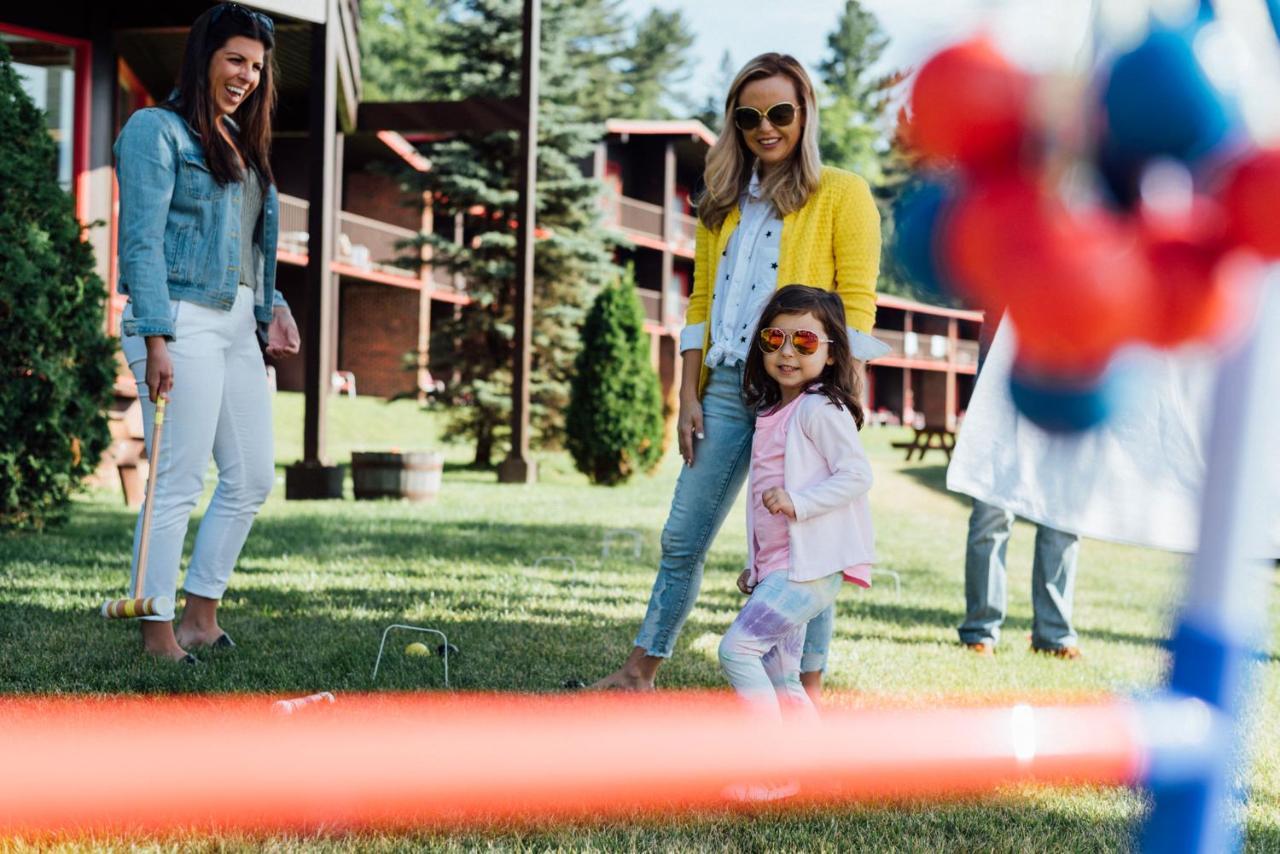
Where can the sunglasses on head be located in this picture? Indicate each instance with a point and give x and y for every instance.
(263, 21)
(805, 341)
(779, 115)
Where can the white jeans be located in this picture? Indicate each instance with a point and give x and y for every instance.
(219, 406)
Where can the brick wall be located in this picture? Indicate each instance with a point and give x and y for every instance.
(377, 197)
(379, 325)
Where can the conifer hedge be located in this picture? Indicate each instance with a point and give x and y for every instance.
(614, 423)
(56, 368)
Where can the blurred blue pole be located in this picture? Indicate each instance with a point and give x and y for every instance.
(1224, 611)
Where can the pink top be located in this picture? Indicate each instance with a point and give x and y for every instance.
(827, 476)
(768, 451)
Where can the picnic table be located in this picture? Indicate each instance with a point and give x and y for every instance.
(929, 438)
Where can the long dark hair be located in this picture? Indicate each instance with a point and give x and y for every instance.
(210, 32)
(839, 380)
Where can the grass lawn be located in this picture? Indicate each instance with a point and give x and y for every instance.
(318, 581)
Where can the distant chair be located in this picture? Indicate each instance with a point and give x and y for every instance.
(343, 381)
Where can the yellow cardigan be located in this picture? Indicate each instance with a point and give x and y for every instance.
(833, 243)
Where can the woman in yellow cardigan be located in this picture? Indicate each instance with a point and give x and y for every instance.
(770, 215)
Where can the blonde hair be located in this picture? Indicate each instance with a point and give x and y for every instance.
(730, 162)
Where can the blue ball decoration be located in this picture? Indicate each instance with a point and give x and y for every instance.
(917, 218)
(1065, 405)
(1158, 102)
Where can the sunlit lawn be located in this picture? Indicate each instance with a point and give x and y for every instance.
(318, 582)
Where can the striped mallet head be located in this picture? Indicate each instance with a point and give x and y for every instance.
(127, 609)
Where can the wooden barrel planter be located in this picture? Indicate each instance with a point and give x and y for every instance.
(415, 475)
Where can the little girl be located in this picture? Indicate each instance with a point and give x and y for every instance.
(808, 520)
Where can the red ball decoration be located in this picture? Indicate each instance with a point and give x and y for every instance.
(970, 105)
(980, 234)
(1249, 196)
(1193, 297)
(1074, 285)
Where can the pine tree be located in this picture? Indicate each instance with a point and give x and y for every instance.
(711, 113)
(475, 175)
(614, 423)
(656, 67)
(858, 128)
(400, 59)
(56, 366)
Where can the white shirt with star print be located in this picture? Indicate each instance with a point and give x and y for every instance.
(748, 276)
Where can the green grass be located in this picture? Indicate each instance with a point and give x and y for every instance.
(318, 581)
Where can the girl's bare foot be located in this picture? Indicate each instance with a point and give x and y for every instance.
(637, 673)
(812, 682)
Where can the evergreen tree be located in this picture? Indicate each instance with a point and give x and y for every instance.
(656, 67)
(55, 360)
(711, 113)
(475, 175)
(400, 56)
(859, 132)
(614, 424)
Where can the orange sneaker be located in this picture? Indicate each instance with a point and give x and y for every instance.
(981, 648)
(1066, 653)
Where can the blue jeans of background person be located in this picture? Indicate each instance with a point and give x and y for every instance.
(704, 494)
(761, 653)
(1053, 575)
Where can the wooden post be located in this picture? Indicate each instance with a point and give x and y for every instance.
(426, 275)
(518, 467)
(668, 234)
(953, 344)
(312, 477)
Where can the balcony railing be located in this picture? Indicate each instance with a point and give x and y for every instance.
(686, 231)
(652, 302)
(372, 245)
(361, 242)
(645, 219)
(924, 348)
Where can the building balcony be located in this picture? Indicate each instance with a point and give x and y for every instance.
(920, 347)
(645, 223)
(673, 315)
(364, 247)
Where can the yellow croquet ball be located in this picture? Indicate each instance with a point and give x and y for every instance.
(417, 649)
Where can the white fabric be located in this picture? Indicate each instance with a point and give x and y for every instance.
(827, 475)
(1136, 479)
(219, 406)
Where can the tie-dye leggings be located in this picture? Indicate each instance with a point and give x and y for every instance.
(760, 654)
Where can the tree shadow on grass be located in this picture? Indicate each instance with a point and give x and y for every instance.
(934, 477)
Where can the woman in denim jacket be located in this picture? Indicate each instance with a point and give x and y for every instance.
(198, 222)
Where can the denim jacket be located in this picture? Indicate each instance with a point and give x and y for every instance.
(179, 230)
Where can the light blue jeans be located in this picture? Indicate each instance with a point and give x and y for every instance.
(704, 494)
(1053, 576)
(761, 652)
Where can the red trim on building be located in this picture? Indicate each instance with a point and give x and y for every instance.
(921, 365)
(450, 296)
(654, 127)
(891, 301)
(405, 150)
(410, 282)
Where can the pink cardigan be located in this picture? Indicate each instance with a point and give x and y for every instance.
(827, 475)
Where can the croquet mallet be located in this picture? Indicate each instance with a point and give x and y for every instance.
(149, 606)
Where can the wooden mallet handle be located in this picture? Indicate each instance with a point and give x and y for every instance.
(145, 546)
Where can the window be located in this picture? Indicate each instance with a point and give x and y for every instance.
(48, 75)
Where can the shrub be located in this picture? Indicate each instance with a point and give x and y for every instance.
(56, 367)
(614, 423)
